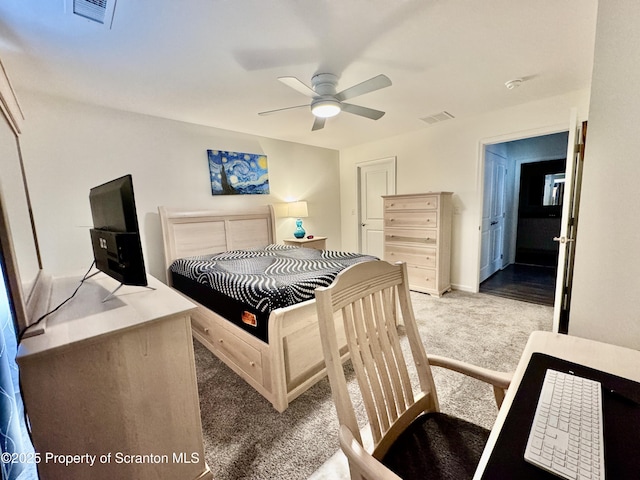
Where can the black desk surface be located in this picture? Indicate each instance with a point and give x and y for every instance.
(621, 424)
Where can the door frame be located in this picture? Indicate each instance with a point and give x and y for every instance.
(393, 161)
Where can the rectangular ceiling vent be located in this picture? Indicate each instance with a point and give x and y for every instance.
(100, 11)
(437, 117)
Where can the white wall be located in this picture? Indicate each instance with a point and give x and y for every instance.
(604, 303)
(448, 157)
(538, 149)
(69, 147)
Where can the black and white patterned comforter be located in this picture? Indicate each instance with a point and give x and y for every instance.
(270, 278)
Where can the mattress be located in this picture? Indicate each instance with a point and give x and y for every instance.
(245, 286)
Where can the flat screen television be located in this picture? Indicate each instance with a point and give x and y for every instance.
(115, 236)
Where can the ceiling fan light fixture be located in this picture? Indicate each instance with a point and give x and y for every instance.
(326, 102)
(325, 108)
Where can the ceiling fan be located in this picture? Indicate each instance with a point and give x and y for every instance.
(327, 103)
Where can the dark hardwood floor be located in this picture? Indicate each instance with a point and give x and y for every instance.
(528, 283)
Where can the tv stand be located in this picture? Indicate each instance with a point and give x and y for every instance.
(113, 293)
(107, 380)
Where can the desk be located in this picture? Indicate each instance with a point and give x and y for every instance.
(612, 359)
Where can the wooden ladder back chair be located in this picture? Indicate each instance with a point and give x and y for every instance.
(365, 298)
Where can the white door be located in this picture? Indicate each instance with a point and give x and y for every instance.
(569, 225)
(493, 215)
(375, 179)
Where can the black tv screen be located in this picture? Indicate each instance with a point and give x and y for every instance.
(115, 236)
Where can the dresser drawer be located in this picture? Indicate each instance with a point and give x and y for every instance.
(421, 278)
(412, 203)
(199, 323)
(411, 219)
(427, 238)
(229, 345)
(421, 256)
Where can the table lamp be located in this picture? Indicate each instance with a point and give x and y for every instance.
(298, 210)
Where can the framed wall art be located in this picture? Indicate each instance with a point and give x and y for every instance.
(236, 173)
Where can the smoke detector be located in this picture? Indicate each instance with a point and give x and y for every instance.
(515, 83)
(99, 11)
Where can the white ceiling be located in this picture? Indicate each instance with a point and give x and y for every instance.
(216, 62)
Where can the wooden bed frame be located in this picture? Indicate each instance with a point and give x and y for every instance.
(292, 360)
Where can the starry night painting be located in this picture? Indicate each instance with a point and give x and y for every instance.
(234, 173)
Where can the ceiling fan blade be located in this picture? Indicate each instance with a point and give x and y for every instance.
(371, 85)
(362, 111)
(269, 112)
(318, 123)
(297, 85)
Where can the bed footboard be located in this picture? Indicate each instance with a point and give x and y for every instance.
(281, 370)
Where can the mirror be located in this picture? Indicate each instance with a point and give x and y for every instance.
(25, 264)
(553, 189)
(17, 208)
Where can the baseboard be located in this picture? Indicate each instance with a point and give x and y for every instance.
(464, 288)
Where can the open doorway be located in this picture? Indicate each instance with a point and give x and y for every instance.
(522, 210)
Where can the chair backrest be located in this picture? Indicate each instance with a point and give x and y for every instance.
(365, 297)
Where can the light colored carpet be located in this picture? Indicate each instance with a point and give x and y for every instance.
(245, 438)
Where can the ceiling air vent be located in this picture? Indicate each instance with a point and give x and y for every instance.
(437, 117)
(100, 11)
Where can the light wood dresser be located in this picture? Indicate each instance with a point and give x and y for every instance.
(417, 230)
(110, 388)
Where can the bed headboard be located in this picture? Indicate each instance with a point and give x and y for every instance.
(197, 232)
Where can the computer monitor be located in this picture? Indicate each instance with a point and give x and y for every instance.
(115, 235)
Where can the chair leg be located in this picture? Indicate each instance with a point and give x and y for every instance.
(498, 393)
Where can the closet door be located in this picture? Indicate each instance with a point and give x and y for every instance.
(375, 179)
(493, 214)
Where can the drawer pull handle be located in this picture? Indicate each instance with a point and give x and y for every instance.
(253, 364)
(206, 330)
(221, 340)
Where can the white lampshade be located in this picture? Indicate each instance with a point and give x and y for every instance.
(297, 209)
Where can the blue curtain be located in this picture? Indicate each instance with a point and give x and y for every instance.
(14, 438)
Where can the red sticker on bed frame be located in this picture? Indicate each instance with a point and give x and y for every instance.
(249, 318)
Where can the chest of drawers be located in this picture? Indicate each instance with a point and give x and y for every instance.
(417, 230)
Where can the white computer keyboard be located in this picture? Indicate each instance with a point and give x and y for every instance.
(566, 437)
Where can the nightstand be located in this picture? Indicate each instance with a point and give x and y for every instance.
(319, 243)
